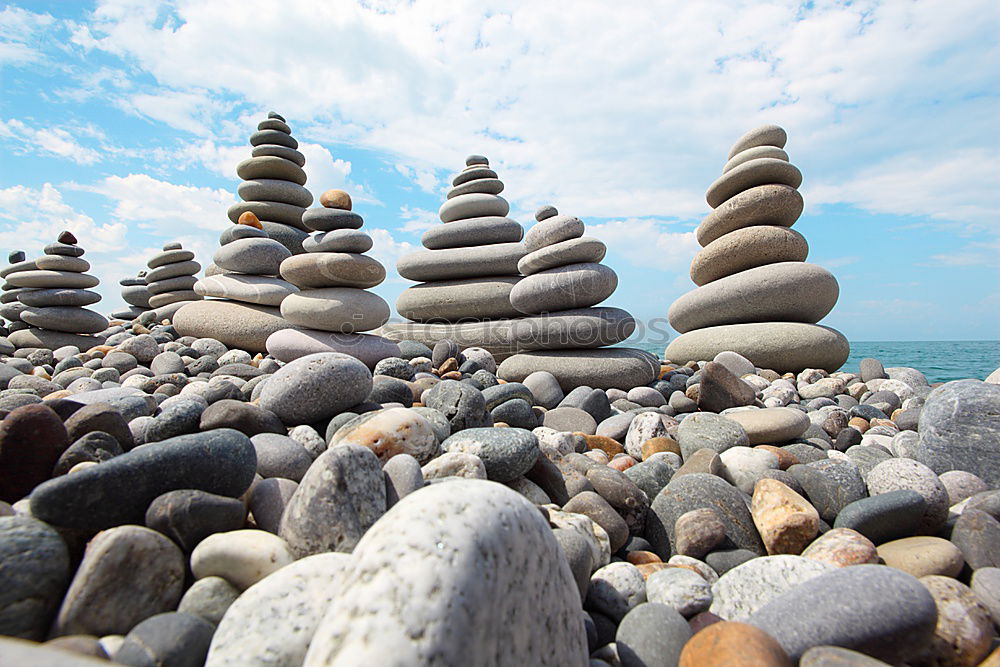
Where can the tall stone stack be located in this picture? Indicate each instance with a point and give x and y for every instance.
(757, 296)
(10, 307)
(171, 280)
(136, 294)
(565, 334)
(244, 290)
(54, 307)
(273, 180)
(468, 269)
(332, 309)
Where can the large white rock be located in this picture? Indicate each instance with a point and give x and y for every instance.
(466, 572)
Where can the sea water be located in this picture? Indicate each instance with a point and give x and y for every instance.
(939, 360)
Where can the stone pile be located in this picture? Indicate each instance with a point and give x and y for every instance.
(171, 280)
(136, 294)
(243, 287)
(468, 269)
(10, 307)
(757, 295)
(332, 309)
(564, 333)
(54, 305)
(273, 180)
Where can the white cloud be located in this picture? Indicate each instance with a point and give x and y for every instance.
(55, 141)
(164, 207)
(646, 242)
(19, 30)
(417, 219)
(33, 218)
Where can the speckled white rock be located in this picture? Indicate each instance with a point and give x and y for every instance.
(241, 557)
(746, 588)
(272, 623)
(645, 426)
(455, 464)
(895, 474)
(597, 537)
(446, 606)
(687, 592)
(615, 589)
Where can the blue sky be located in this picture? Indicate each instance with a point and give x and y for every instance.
(124, 121)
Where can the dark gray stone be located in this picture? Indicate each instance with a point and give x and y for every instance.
(174, 638)
(462, 405)
(885, 517)
(187, 516)
(243, 417)
(280, 456)
(96, 446)
(507, 453)
(704, 430)
(119, 491)
(652, 474)
(871, 369)
(34, 567)
(830, 485)
(517, 413)
(960, 429)
(651, 635)
(977, 535)
(501, 393)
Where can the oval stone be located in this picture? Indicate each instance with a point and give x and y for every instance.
(263, 290)
(572, 329)
(36, 569)
(253, 256)
(563, 288)
(753, 154)
(507, 453)
(491, 260)
(771, 425)
(167, 298)
(473, 232)
(474, 205)
(332, 269)
(269, 166)
(315, 387)
(169, 257)
(765, 135)
(762, 171)
(338, 240)
(455, 300)
(279, 151)
(65, 318)
(489, 186)
(778, 205)
(340, 309)
(42, 278)
(270, 189)
(172, 270)
(618, 367)
(327, 219)
(785, 292)
(473, 172)
(553, 230)
(276, 137)
(747, 248)
(571, 251)
(62, 263)
(529, 601)
(291, 344)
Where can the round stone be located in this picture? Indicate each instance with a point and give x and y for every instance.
(732, 644)
(273, 137)
(571, 251)
(747, 248)
(269, 166)
(472, 232)
(456, 300)
(340, 309)
(450, 264)
(474, 205)
(253, 256)
(61, 279)
(572, 329)
(777, 205)
(390, 432)
(335, 199)
(765, 135)
(62, 263)
(315, 387)
(275, 150)
(619, 367)
(269, 189)
(487, 186)
(170, 257)
(762, 171)
(651, 634)
(332, 269)
(242, 326)
(338, 240)
(960, 429)
(779, 346)
(771, 425)
(269, 211)
(895, 474)
(328, 219)
(65, 318)
(36, 567)
(168, 298)
(262, 290)
(551, 230)
(241, 557)
(784, 292)
(922, 555)
(753, 154)
(563, 288)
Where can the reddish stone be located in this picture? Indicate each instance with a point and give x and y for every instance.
(32, 437)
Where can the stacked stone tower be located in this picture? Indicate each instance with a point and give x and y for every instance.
(10, 307)
(136, 294)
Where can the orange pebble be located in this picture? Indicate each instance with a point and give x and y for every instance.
(336, 199)
(609, 446)
(249, 219)
(642, 557)
(732, 644)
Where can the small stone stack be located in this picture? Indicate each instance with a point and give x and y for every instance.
(136, 294)
(468, 269)
(171, 280)
(54, 307)
(10, 307)
(245, 290)
(273, 180)
(757, 295)
(332, 307)
(564, 281)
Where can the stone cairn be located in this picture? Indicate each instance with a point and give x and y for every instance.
(171, 280)
(244, 289)
(757, 296)
(332, 307)
(273, 180)
(136, 294)
(468, 269)
(10, 307)
(54, 304)
(563, 282)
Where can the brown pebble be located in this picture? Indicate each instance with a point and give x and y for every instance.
(785, 458)
(660, 444)
(336, 199)
(882, 422)
(67, 237)
(642, 557)
(249, 219)
(732, 644)
(448, 365)
(609, 446)
(452, 375)
(647, 569)
(697, 532)
(859, 423)
(693, 392)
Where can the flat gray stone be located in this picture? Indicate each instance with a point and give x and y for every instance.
(573, 329)
(261, 290)
(277, 150)
(530, 600)
(62, 263)
(498, 259)
(237, 325)
(253, 256)
(65, 318)
(564, 288)
(618, 367)
(291, 344)
(172, 270)
(343, 310)
(747, 248)
(270, 212)
(572, 251)
(315, 387)
(754, 153)
(764, 135)
(455, 300)
(782, 292)
(180, 283)
(473, 205)
(338, 240)
(472, 232)
(328, 219)
(551, 230)
(489, 186)
(58, 279)
(276, 137)
(269, 189)
(771, 425)
(169, 257)
(777, 205)
(332, 269)
(762, 171)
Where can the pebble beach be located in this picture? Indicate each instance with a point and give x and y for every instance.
(250, 466)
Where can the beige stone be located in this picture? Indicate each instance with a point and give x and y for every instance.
(747, 248)
(964, 629)
(923, 555)
(785, 520)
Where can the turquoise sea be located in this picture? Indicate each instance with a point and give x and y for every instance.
(939, 360)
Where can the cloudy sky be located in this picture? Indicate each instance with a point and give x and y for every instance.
(123, 121)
